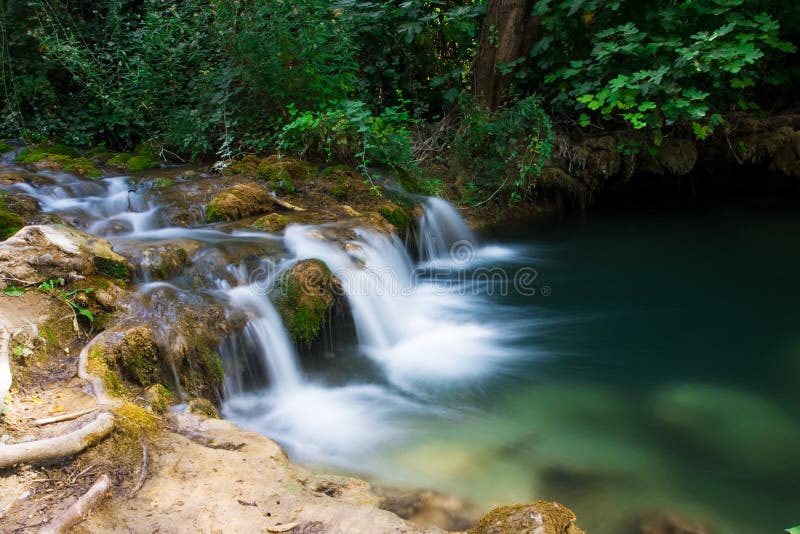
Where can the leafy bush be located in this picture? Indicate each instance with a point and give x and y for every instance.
(504, 149)
(683, 62)
(349, 132)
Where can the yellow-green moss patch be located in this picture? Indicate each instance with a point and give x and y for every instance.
(242, 200)
(273, 222)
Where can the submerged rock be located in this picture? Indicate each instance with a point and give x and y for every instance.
(540, 517)
(734, 426)
(309, 291)
(665, 523)
(39, 253)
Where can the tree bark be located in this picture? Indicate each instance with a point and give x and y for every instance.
(508, 32)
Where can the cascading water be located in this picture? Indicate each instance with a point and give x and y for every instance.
(440, 228)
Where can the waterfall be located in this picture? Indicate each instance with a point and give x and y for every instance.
(422, 333)
(266, 335)
(440, 228)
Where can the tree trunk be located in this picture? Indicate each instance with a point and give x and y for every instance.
(508, 32)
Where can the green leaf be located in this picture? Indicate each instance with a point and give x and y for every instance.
(14, 291)
(86, 313)
(793, 530)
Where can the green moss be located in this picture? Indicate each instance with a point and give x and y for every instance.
(306, 296)
(141, 163)
(158, 397)
(165, 182)
(398, 217)
(5, 147)
(112, 268)
(240, 201)
(120, 160)
(32, 155)
(82, 166)
(97, 366)
(10, 224)
(274, 222)
(341, 188)
(283, 173)
(215, 367)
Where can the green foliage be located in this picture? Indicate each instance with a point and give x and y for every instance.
(71, 298)
(503, 150)
(10, 224)
(349, 132)
(14, 291)
(674, 63)
(793, 530)
(5, 147)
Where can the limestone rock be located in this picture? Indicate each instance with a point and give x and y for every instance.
(43, 252)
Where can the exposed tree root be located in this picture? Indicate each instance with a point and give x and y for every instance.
(62, 418)
(57, 447)
(79, 509)
(143, 474)
(97, 383)
(5, 366)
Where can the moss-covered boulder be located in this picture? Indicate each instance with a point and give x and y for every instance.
(5, 147)
(133, 163)
(59, 157)
(43, 252)
(274, 222)
(540, 517)
(242, 200)
(308, 292)
(132, 353)
(283, 174)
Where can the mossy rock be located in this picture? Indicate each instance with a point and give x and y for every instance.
(59, 157)
(120, 160)
(165, 182)
(158, 398)
(242, 200)
(10, 224)
(135, 354)
(162, 262)
(97, 366)
(32, 155)
(540, 517)
(397, 217)
(282, 174)
(248, 165)
(274, 222)
(309, 291)
(5, 147)
(142, 163)
(112, 268)
(203, 407)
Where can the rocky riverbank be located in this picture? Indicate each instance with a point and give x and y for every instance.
(115, 391)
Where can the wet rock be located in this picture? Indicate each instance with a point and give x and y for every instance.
(665, 523)
(308, 292)
(274, 222)
(242, 200)
(43, 252)
(677, 156)
(540, 517)
(203, 407)
(187, 329)
(427, 508)
(162, 262)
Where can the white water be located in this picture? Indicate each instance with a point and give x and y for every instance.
(441, 228)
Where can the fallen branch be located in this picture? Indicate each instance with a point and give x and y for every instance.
(64, 417)
(79, 509)
(59, 446)
(284, 204)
